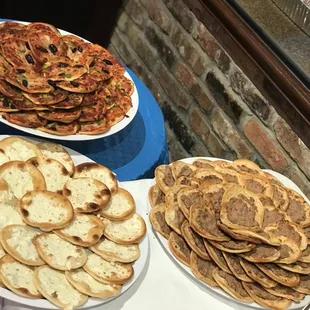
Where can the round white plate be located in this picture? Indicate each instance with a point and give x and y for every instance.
(92, 302)
(164, 242)
(114, 129)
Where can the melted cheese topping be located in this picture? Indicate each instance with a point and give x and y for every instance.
(43, 209)
(105, 269)
(21, 241)
(56, 152)
(80, 227)
(19, 182)
(127, 230)
(3, 158)
(9, 215)
(119, 250)
(82, 191)
(117, 205)
(19, 151)
(54, 283)
(58, 249)
(94, 285)
(54, 178)
(19, 276)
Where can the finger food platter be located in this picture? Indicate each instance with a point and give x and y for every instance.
(98, 247)
(82, 93)
(193, 247)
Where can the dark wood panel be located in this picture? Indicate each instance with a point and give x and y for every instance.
(289, 96)
(92, 19)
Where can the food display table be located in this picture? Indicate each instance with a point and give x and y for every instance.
(134, 152)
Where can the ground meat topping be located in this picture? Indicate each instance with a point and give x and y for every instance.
(296, 211)
(235, 245)
(262, 251)
(239, 212)
(205, 267)
(254, 186)
(272, 217)
(231, 178)
(160, 217)
(261, 293)
(168, 178)
(233, 283)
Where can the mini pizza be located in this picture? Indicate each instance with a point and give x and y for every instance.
(10, 91)
(62, 116)
(60, 129)
(94, 112)
(25, 119)
(84, 84)
(53, 97)
(72, 101)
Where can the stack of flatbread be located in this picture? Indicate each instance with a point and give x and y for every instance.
(237, 228)
(66, 232)
(59, 83)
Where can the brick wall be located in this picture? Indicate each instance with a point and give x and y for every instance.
(211, 108)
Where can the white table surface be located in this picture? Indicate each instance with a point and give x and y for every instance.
(162, 284)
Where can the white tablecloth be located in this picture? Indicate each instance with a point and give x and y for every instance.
(162, 285)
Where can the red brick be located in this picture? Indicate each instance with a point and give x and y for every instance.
(227, 132)
(265, 145)
(209, 44)
(199, 125)
(173, 89)
(181, 12)
(293, 145)
(136, 12)
(195, 87)
(189, 50)
(158, 13)
(217, 148)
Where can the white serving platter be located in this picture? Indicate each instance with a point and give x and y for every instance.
(113, 130)
(138, 266)
(164, 243)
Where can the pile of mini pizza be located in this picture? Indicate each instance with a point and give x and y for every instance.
(67, 232)
(59, 84)
(237, 227)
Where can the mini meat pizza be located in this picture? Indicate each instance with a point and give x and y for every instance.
(72, 101)
(60, 129)
(84, 84)
(10, 91)
(62, 116)
(25, 119)
(51, 98)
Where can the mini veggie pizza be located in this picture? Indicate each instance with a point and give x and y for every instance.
(59, 84)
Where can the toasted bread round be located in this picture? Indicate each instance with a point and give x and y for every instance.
(19, 149)
(179, 248)
(18, 277)
(57, 152)
(257, 275)
(155, 195)
(180, 169)
(265, 299)
(99, 173)
(114, 252)
(108, 272)
(204, 163)
(205, 228)
(305, 255)
(128, 231)
(164, 177)
(280, 275)
(298, 209)
(304, 285)
(233, 262)
(194, 241)
(3, 158)
(84, 230)
(86, 195)
(231, 285)
(233, 246)
(186, 197)
(45, 210)
(262, 253)
(88, 285)
(121, 206)
(208, 176)
(257, 185)
(59, 253)
(9, 215)
(57, 289)
(217, 256)
(247, 166)
(297, 267)
(202, 269)
(55, 173)
(286, 292)
(17, 240)
(241, 209)
(6, 194)
(174, 217)
(157, 219)
(22, 177)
